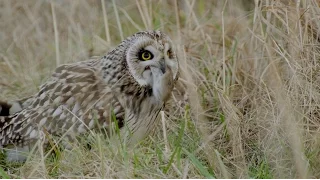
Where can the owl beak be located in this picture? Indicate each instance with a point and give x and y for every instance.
(162, 66)
(159, 68)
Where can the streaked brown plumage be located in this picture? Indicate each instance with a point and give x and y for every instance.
(81, 96)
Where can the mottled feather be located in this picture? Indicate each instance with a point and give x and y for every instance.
(82, 96)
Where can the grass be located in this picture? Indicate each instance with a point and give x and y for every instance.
(247, 102)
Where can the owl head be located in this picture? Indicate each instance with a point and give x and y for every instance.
(150, 54)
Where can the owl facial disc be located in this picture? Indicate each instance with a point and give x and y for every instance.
(148, 51)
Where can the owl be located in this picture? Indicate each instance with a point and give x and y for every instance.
(126, 87)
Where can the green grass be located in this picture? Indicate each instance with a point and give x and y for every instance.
(3, 174)
(247, 102)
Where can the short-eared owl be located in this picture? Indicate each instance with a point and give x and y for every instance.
(132, 82)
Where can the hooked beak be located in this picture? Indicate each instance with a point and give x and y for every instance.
(159, 68)
(162, 66)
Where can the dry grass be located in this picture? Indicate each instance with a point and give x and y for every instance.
(250, 68)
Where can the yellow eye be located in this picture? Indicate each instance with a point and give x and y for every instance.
(146, 55)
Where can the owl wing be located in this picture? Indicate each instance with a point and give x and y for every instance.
(74, 100)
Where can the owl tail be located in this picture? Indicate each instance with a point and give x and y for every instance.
(5, 108)
(10, 108)
(9, 132)
(8, 111)
(5, 128)
(8, 137)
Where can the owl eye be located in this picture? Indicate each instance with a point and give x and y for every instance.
(145, 55)
(169, 53)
